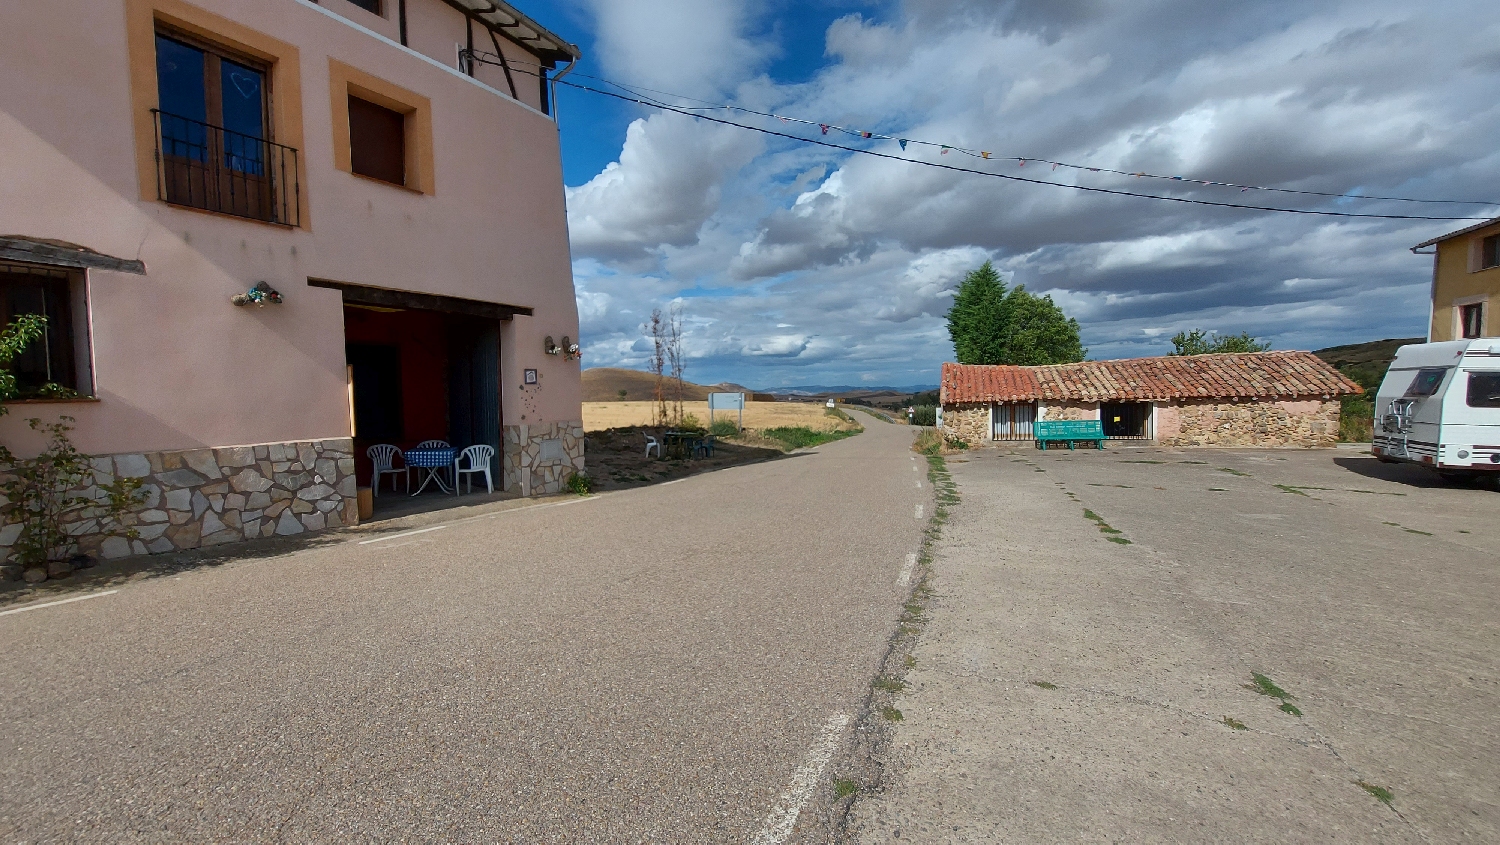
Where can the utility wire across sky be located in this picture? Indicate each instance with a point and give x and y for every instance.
(635, 96)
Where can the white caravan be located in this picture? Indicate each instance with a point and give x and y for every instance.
(1439, 406)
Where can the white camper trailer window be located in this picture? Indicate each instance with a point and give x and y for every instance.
(1427, 382)
(1484, 390)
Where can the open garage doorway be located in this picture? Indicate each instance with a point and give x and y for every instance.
(1126, 420)
(422, 367)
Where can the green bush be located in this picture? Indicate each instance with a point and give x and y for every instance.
(724, 428)
(580, 483)
(1357, 419)
(689, 422)
(924, 415)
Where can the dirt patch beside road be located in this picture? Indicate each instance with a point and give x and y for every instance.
(598, 416)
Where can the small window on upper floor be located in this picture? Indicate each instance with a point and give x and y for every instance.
(371, 6)
(1471, 320)
(377, 141)
(1489, 252)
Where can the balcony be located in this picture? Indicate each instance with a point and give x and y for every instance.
(207, 167)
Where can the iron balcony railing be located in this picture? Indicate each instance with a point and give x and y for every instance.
(200, 165)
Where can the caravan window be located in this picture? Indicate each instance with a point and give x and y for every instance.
(1484, 390)
(1427, 381)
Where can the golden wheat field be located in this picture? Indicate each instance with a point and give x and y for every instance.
(601, 415)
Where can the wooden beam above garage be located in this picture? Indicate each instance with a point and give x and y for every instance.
(412, 300)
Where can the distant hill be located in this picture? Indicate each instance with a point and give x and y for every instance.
(1365, 363)
(603, 384)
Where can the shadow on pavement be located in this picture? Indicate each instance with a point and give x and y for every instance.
(1401, 473)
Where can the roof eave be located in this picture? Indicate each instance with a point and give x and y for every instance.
(1464, 231)
(508, 22)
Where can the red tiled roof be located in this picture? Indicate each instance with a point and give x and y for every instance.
(1248, 375)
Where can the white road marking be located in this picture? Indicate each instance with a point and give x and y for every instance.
(904, 580)
(783, 815)
(919, 511)
(673, 481)
(58, 602)
(402, 534)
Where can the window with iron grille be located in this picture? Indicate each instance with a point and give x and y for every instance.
(214, 148)
(52, 361)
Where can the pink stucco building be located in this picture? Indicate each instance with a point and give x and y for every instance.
(390, 168)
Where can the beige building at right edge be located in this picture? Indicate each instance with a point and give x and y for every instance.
(1465, 282)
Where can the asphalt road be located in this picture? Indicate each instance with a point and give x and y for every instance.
(1069, 688)
(657, 664)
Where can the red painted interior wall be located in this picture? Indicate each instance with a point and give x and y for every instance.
(424, 372)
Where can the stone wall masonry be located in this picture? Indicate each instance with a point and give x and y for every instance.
(1313, 422)
(206, 497)
(552, 451)
(969, 422)
(1068, 411)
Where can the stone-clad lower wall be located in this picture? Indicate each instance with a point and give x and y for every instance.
(204, 497)
(1313, 422)
(969, 422)
(1068, 411)
(552, 451)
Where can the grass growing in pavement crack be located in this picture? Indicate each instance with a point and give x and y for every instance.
(1234, 472)
(1265, 686)
(1234, 723)
(1410, 530)
(1381, 794)
(1115, 535)
(1142, 462)
(1217, 490)
(1043, 684)
(861, 764)
(1193, 462)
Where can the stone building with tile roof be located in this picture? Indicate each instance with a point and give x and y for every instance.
(1227, 399)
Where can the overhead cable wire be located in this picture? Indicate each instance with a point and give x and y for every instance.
(638, 98)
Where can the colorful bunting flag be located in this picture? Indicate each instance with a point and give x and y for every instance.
(944, 152)
(864, 134)
(824, 127)
(902, 142)
(984, 154)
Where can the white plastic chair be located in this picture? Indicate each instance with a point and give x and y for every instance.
(652, 443)
(478, 458)
(383, 456)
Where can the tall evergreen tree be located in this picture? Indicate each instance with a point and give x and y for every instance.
(990, 325)
(977, 321)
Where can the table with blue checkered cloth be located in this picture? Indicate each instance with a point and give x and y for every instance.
(430, 457)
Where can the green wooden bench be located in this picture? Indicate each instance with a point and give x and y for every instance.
(1070, 432)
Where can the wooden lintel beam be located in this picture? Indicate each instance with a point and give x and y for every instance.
(413, 300)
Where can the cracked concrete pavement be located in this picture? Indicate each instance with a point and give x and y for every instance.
(1071, 688)
(649, 665)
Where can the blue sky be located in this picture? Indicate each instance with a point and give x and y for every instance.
(794, 264)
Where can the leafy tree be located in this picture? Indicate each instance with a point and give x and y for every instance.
(1198, 342)
(1039, 332)
(990, 325)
